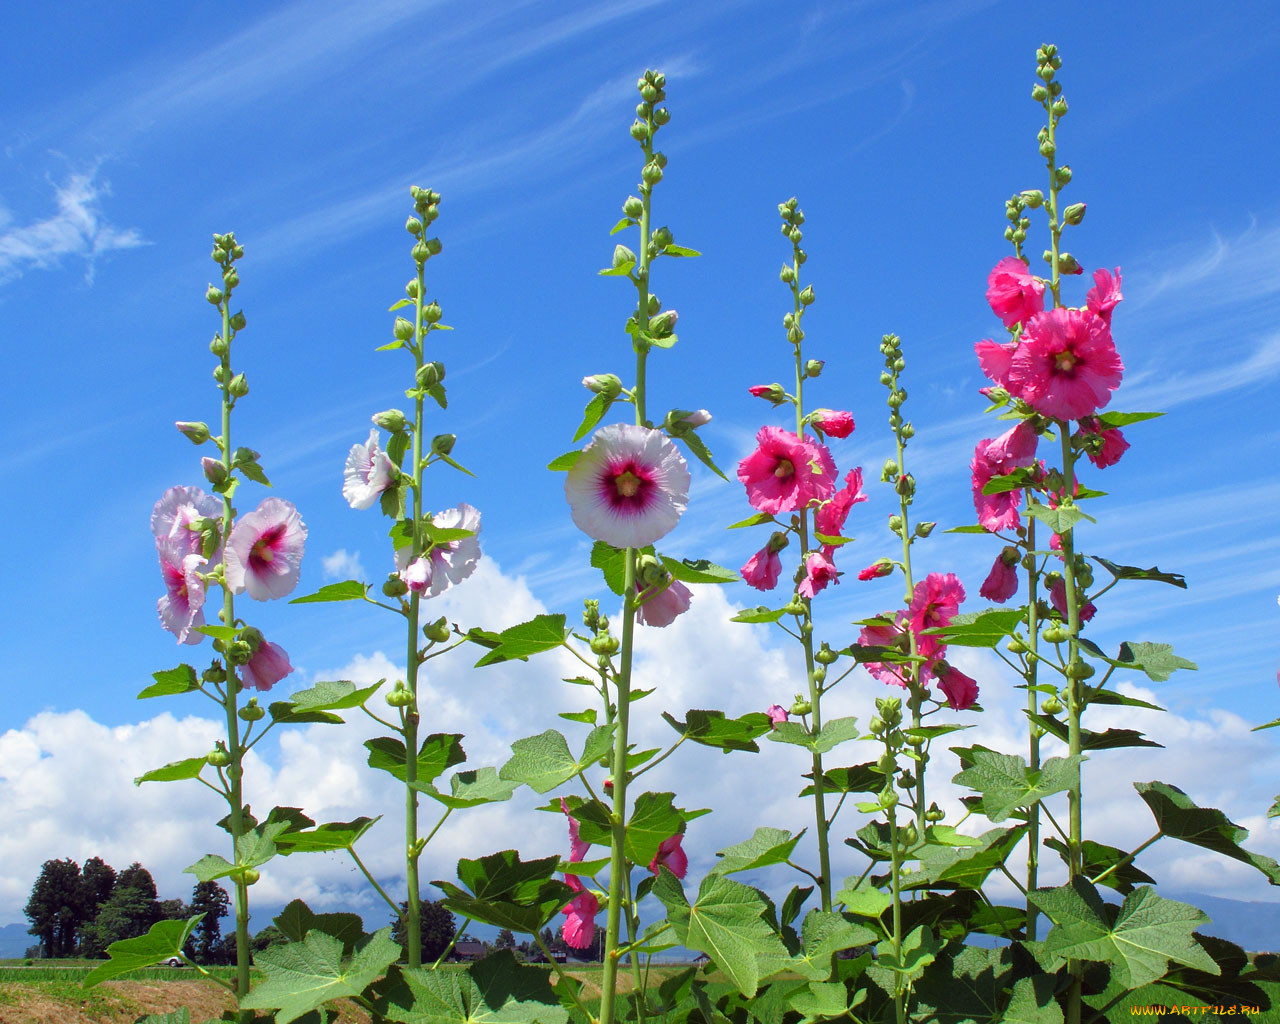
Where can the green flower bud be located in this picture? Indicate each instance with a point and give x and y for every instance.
(438, 631)
(250, 875)
(251, 712)
(795, 335)
(1016, 645)
(398, 696)
(238, 321)
(652, 174)
(1059, 106)
(434, 246)
(824, 655)
(1039, 93)
(391, 420)
(395, 586)
(648, 92)
(910, 835)
(788, 274)
(1056, 633)
(230, 278)
(924, 529)
(442, 444)
(215, 673)
(876, 726)
(661, 116)
(800, 707)
(196, 433)
(1063, 174)
(662, 237)
(664, 323)
(1079, 670)
(1032, 199)
(218, 757)
(1051, 706)
(214, 471)
(239, 652)
(934, 813)
(807, 296)
(604, 645)
(888, 798)
(411, 289)
(887, 764)
(213, 296)
(908, 431)
(895, 524)
(622, 256)
(239, 387)
(633, 207)
(420, 253)
(430, 374)
(1047, 148)
(889, 471)
(813, 367)
(1067, 264)
(905, 485)
(413, 226)
(403, 329)
(639, 130)
(219, 347)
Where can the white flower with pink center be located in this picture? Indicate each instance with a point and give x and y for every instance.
(264, 551)
(181, 607)
(629, 486)
(450, 562)
(367, 474)
(180, 506)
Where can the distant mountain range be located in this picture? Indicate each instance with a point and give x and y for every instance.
(14, 941)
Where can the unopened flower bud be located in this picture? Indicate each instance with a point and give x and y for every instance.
(652, 174)
(775, 394)
(777, 541)
(622, 256)
(603, 384)
(238, 321)
(413, 226)
(432, 312)
(895, 524)
(800, 707)
(251, 712)
(196, 433)
(909, 834)
(239, 387)
(813, 367)
(213, 296)
(934, 813)
(239, 652)
(633, 207)
(219, 346)
(908, 431)
(661, 116)
(215, 673)
(795, 335)
(888, 798)
(230, 278)
(395, 586)
(1059, 107)
(1074, 213)
(807, 296)
(1063, 174)
(411, 289)
(906, 485)
(434, 246)
(442, 444)
(214, 470)
(924, 529)
(398, 696)
(1051, 706)
(664, 323)
(1056, 633)
(1039, 93)
(403, 329)
(420, 253)
(430, 374)
(662, 237)
(889, 471)
(1079, 670)
(824, 655)
(887, 764)
(788, 274)
(1016, 645)
(391, 420)
(603, 644)
(1067, 264)
(1032, 199)
(438, 631)
(218, 756)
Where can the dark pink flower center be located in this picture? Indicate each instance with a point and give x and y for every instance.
(1065, 361)
(263, 552)
(784, 469)
(628, 486)
(175, 581)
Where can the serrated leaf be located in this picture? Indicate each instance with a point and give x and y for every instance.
(833, 733)
(699, 571)
(507, 892)
(792, 904)
(918, 951)
(759, 614)
(175, 771)
(713, 729)
(964, 866)
(305, 975)
(699, 449)
(565, 462)
(755, 520)
(283, 711)
(333, 695)
(497, 990)
(1109, 740)
(1138, 941)
(170, 682)
(858, 778)
(1098, 857)
(438, 753)
(163, 940)
(1061, 519)
(679, 250)
(332, 835)
(1129, 572)
(981, 629)
(347, 590)
(727, 922)
(612, 562)
(1006, 782)
(1032, 1002)
(179, 1016)
(594, 412)
(541, 633)
(767, 846)
(653, 819)
(1098, 695)
(296, 920)
(1178, 817)
(472, 788)
(541, 762)
(824, 934)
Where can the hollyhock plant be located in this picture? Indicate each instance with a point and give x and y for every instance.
(264, 550)
(786, 472)
(181, 607)
(819, 570)
(961, 690)
(267, 666)
(579, 928)
(765, 566)
(1014, 449)
(629, 486)
(1105, 294)
(1066, 364)
(829, 517)
(777, 715)
(885, 634)
(996, 359)
(1111, 446)
(179, 508)
(833, 423)
(578, 847)
(1002, 581)
(671, 855)
(367, 474)
(935, 602)
(662, 607)
(1012, 291)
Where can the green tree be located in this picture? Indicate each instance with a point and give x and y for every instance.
(210, 899)
(505, 940)
(55, 908)
(437, 928)
(129, 911)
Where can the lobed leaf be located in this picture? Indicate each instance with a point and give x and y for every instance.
(767, 846)
(170, 682)
(163, 940)
(347, 590)
(541, 633)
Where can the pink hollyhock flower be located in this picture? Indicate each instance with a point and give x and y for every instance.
(181, 607)
(1105, 294)
(819, 570)
(671, 855)
(662, 608)
(876, 569)
(1058, 597)
(578, 847)
(367, 474)
(1012, 291)
(786, 472)
(177, 508)
(935, 602)
(885, 636)
(1066, 364)
(777, 715)
(432, 572)
(267, 667)
(264, 550)
(1002, 582)
(1113, 443)
(629, 487)
(833, 423)
(829, 517)
(961, 690)
(580, 915)
(991, 458)
(762, 569)
(995, 360)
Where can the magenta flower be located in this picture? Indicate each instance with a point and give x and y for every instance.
(662, 608)
(875, 570)
(829, 517)
(177, 508)
(580, 915)
(763, 568)
(267, 667)
(180, 608)
(629, 486)
(777, 715)
(1002, 582)
(1066, 364)
(934, 603)
(1012, 291)
(833, 423)
(961, 690)
(1058, 597)
(991, 458)
(819, 570)
(671, 855)
(1113, 443)
(995, 359)
(1105, 294)
(578, 847)
(264, 551)
(885, 636)
(786, 472)
(367, 474)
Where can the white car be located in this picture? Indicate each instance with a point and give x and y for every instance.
(173, 961)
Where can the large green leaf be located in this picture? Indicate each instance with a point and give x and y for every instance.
(332, 835)
(1157, 661)
(767, 846)
(296, 920)
(858, 778)
(507, 892)
(1130, 572)
(727, 922)
(699, 571)
(347, 590)
(333, 695)
(759, 614)
(824, 934)
(163, 940)
(594, 412)
(612, 562)
(980, 629)
(1138, 939)
(171, 681)
(438, 753)
(653, 819)
(302, 976)
(1098, 857)
(188, 768)
(497, 990)
(541, 633)
(1123, 419)
(1061, 519)
(1006, 782)
(834, 732)
(713, 729)
(1178, 817)
(1109, 740)
(918, 951)
(544, 761)
(964, 866)
(474, 787)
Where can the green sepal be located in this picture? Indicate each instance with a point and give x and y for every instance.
(163, 940)
(173, 681)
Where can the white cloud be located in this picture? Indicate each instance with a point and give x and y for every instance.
(342, 565)
(77, 229)
(701, 661)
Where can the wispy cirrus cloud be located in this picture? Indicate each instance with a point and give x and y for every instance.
(78, 229)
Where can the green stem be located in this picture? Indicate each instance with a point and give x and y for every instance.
(453, 942)
(565, 977)
(1126, 859)
(899, 990)
(374, 882)
(917, 692)
(1033, 752)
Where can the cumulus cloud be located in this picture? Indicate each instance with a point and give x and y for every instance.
(700, 661)
(77, 229)
(342, 565)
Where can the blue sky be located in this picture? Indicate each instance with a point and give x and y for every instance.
(130, 134)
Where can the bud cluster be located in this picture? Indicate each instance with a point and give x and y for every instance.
(894, 363)
(650, 116)
(792, 218)
(426, 205)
